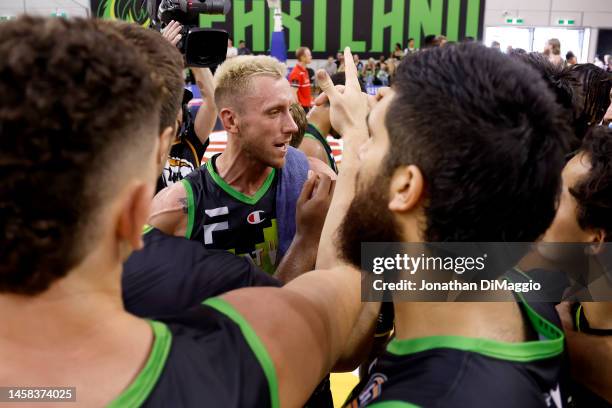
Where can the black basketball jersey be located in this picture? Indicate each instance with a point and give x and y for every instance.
(172, 274)
(209, 356)
(454, 371)
(221, 217)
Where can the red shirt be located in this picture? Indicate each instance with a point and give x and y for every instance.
(300, 79)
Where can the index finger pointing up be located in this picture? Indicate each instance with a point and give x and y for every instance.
(350, 70)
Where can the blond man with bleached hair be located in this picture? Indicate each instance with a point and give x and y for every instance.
(234, 77)
(244, 199)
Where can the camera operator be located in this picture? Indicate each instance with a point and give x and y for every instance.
(191, 139)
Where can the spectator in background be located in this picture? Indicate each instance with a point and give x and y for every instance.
(383, 75)
(496, 45)
(243, 49)
(397, 52)
(570, 58)
(430, 41)
(391, 66)
(358, 63)
(231, 50)
(411, 49)
(330, 67)
(607, 63)
(340, 61)
(369, 72)
(300, 78)
(553, 51)
(441, 40)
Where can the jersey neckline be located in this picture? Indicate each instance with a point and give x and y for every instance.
(140, 389)
(522, 352)
(251, 200)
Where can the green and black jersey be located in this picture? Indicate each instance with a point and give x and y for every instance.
(581, 395)
(221, 217)
(208, 356)
(312, 132)
(451, 371)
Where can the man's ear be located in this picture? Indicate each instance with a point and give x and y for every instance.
(598, 240)
(165, 140)
(229, 120)
(134, 213)
(406, 189)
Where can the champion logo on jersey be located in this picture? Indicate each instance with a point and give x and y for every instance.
(255, 218)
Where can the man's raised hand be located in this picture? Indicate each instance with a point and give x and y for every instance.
(349, 106)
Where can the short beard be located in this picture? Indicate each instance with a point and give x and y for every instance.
(367, 220)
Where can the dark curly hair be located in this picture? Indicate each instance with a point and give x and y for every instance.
(78, 103)
(489, 138)
(591, 86)
(165, 60)
(594, 192)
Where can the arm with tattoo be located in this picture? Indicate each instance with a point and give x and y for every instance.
(169, 210)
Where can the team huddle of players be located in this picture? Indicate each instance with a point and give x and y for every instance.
(236, 282)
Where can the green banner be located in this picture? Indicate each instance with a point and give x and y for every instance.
(369, 27)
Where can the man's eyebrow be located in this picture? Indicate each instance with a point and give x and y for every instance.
(273, 107)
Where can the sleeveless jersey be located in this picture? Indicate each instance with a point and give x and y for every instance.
(221, 217)
(454, 371)
(208, 356)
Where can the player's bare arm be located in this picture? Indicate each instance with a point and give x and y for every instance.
(170, 210)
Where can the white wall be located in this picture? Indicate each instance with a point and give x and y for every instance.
(594, 14)
(74, 8)
(586, 13)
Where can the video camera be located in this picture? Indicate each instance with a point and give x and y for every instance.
(202, 47)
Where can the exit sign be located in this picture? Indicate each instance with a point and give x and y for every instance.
(60, 14)
(566, 22)
(514, 21)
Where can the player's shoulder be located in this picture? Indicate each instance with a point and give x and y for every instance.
(169, 197)
(211, 333)
(319, 167)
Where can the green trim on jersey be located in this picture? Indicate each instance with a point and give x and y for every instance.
(313, 137)
(393, 404)
(519, 352)
(146, 229)
(253, 340)
(577, 317)
(190, 208)
(139, 390)
(542, 326)
(251, 200)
